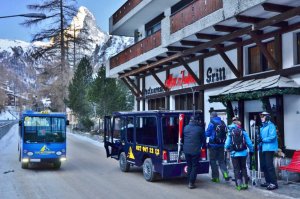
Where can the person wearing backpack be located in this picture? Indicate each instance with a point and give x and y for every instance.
(216, 136)
(237, 142)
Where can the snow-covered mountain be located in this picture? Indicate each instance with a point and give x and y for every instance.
(16, 59)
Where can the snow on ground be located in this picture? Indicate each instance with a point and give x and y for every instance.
(95, 140)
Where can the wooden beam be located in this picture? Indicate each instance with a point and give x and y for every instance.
(150, 61)
(130, 82)
(190, 43)
(159, 57)
(238, 46)
(209, 44)
(158, 80)
(190, 71)
(202, 51)
(227, 61)
(176, 48)
(276, 7)
(212, 37)
(264, 51)
(170, 53)
(278, 49)
(240, 60)
(129, 86)
(254, 20)
(229, 29)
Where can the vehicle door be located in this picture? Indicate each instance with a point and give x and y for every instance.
(113, 129)
(129, 138)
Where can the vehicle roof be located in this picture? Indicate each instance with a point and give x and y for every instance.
(43, 114)
(156, 112)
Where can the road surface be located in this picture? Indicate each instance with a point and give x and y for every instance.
(89, 174)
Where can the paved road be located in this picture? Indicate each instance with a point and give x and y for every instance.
(89, 174)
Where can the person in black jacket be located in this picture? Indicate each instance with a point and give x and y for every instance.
(193, 139)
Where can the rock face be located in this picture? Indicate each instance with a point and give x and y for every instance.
(16, 59)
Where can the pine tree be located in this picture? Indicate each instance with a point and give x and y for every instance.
(109, 95)
(78, 88)
(57, 31)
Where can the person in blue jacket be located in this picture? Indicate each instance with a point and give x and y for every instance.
(216, 151)
(268, 145)
(239, 157)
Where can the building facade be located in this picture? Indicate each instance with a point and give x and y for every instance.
(238, 58)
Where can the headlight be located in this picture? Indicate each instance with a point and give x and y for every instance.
(63, 159)
(25, 160)
(29, 153)
(58, 153)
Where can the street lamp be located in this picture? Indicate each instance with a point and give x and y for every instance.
(29, 15)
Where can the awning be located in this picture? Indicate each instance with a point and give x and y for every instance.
(256, 89)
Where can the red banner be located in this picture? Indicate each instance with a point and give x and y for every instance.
(172, 82)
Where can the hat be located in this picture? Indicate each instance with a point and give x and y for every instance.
(213, 114)
(265, 113)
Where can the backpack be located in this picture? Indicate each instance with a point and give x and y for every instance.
(238, 142)
(221, 132)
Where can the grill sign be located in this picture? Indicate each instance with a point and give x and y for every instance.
(218, 75)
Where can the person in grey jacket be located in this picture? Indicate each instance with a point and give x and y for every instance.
(193, 139)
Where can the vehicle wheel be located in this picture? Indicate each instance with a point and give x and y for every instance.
(24, 165)
(57, 165)
(148, 170)
(124, 165)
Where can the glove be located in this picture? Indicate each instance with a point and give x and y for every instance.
(259, 140)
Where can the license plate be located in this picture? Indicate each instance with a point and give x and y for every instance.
(35, 160)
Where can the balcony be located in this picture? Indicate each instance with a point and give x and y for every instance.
(125, 9)
(136, 50)
(194, 12)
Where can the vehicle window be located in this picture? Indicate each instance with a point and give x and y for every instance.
(130, 129)
(146, 131)
(44, 129)
(119, 129)
(170, 132)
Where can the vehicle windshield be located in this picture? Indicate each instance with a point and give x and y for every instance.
(44, 129)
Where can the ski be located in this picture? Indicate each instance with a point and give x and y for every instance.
(180, 133)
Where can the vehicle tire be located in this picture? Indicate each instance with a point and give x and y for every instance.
(24, 165)
(124, 165)
(56, 165)
(148, 170)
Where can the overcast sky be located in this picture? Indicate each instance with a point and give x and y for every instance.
(10, 28)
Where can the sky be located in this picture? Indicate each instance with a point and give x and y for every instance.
(10, 28)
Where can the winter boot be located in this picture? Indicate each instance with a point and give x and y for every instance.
(217, 180)
(238, 188)
(191, 185)
(226, 177)
(244, 186)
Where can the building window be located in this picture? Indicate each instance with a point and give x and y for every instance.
(185, 101)
(154, 25)
(157, 104)
(298, 48)
(257, 62)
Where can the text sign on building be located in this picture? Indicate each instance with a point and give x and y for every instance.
(172, 82)
(215, 76)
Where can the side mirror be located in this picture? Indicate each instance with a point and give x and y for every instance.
(20, 123)
(67, 122)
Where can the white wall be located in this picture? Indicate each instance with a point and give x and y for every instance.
(151, 82)
(215, 105)
(216, 62)
(292, 121)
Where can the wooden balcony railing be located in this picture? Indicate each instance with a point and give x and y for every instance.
(194, 12)
(136, 50)
(125, 9)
